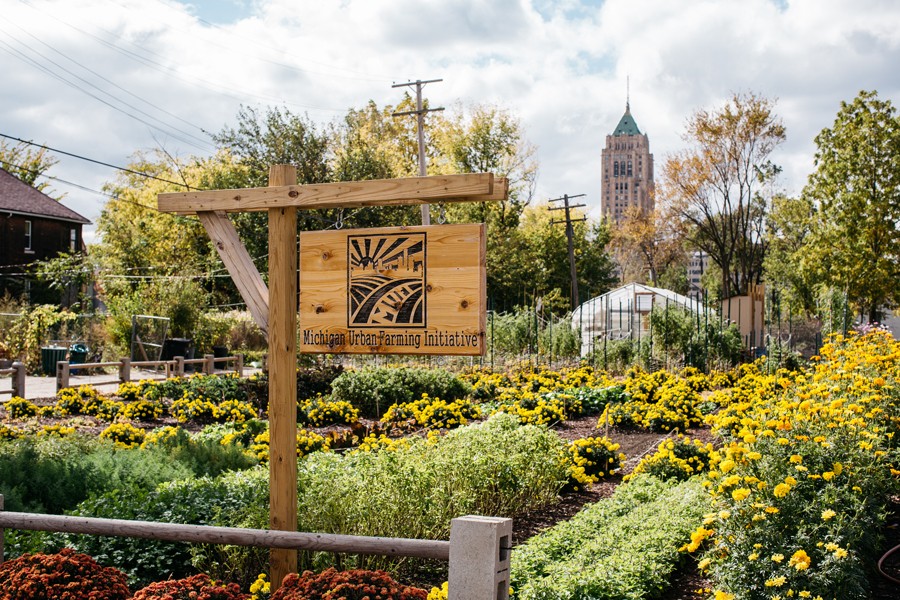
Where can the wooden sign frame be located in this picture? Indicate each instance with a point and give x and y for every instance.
(274, 308)
(399, 290)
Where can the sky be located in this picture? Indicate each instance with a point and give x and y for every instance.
(105, 79)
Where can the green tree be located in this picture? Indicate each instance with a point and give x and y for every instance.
(28, 164)
(720, 186)
(789, 226)
(855, 246)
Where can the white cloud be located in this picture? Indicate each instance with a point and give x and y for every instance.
(561, 66)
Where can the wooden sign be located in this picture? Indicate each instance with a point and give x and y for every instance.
(403, 290)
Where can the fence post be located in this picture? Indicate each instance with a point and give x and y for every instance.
(209, 365)
(1, 533)
(125, 369)
(179, 366)
(239, 365)
(18, 385)
(62, 375)
(479, 558)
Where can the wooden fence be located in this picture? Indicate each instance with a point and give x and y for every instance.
(478, 550)
(17, 373)
(172, 368)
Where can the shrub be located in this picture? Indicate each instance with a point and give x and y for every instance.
(680, 458)
(20, 408)
(124, 435)
(373, 390)
(201, 501)
(197, 587)
(322, 412)
(143, 410)
(65, 575)
(592, 459)
(431, 413)
(625, 546)
(346, 585)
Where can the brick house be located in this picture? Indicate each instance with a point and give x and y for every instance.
(33, 227)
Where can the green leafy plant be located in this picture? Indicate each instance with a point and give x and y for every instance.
(373, 390)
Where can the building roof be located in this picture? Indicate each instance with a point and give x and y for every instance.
(18, 197)
(627, 124)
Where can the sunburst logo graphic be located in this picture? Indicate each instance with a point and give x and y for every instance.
(386, 280)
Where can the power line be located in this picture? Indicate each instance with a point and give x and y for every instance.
(87, 92)
(98, 162)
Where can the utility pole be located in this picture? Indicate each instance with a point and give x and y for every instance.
(420, 122)
(570, 235)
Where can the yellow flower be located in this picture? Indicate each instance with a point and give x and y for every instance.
(828, 514)
(800, 560)
(777, 558)
(740, 494)
(781, 490)
(720, 595)
(753, 556)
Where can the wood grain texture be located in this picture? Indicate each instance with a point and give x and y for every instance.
(282, 374)
(387, 278)
(240, 266)
(380, 192)
(204, 534)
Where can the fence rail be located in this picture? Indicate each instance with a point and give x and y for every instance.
(478, 550)
(173, 368)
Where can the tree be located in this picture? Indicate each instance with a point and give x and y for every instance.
(140, 244)
(24, 162)
(855, 246)
(653, 237)
(789, 227)
(720, 186)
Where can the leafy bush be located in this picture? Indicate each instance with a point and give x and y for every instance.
(592, 459)
(680, 458)
(431, 413)
(196, 587)
(498, 467)
(372, 390)
(20, 408)
(124, 435)
(202, 501)
(322, 412)
(45, 475)
(800, 489)
(65, 575)
(346, 585)
(624, 547)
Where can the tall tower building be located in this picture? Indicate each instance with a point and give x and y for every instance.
(627, 170)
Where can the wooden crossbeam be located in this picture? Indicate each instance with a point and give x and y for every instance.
(472, 187)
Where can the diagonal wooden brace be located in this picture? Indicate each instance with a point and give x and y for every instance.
(240, 266)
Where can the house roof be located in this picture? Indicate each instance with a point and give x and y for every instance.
(16, 196)
(627, 125)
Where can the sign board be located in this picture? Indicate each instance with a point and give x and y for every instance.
(401, 290)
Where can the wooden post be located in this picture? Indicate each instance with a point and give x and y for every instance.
(125, 369)
(62, 375)
(179, 366)
(209, 365)
(239, 365)
(282, 374)
(2, 533)
(18, 381)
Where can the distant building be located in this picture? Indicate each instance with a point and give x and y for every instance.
(627, 170)
(33, 226)
(698, 263)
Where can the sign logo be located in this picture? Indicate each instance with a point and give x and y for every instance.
(386, 280)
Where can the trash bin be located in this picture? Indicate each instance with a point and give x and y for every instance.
(50, 355)
(77, 355)
(173, 347)
(220, 351)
